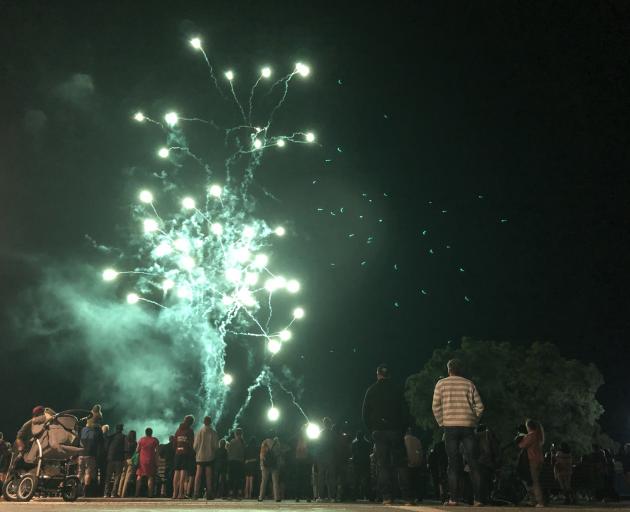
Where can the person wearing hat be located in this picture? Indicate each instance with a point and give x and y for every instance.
(24, 435)
(386, 415)
(92, 443)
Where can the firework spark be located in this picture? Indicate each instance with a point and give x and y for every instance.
(204, 266)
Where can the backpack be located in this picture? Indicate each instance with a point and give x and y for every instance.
(270, 459)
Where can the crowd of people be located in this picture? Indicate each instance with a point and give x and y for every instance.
(386, 463)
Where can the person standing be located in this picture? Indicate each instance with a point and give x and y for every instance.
(220, 470)
(92, 443)
(563, 471)
(184, 439)
(205, 446)
(326, 462)
(386, 416)
(147, 462)
(236, 464)
(115, 458)
(131, 458)
(437, 463)
(624, 457)
(252, 467)
(303, 468)
(416, 466)
(167, 452)
(270, 467)
(488, 461)
(533, 442)
(361, 450)
(457, 408)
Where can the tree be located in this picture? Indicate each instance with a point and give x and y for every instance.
(516, 383)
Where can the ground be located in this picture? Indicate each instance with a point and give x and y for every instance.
(102, 505)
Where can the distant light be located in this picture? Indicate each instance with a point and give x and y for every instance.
(249, 232)
(188, 203)
(285, 335)
(150, 225)
(133, 298)
(215, 191)
(217, 229)
(280, 231)
(227, 379)
(195, 42)
(251, 278)
(265, 72)
(274, 346)
(293, 286)
(313, 431)
(310, 137)
(109, 274)
(229, 75)
(168, 284)
(258, 143)
(227, 300)
(182, 244)
(261, 260)
(146, 196)
(298, 313)
(163, 249)
(233, 275)
(273, 414)
(183, 292)
(171, 118)
(139, 116)
(187, 263)
(163, 152)
(302, 69)
(281, 143)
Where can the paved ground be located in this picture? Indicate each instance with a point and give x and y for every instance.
(101, 505)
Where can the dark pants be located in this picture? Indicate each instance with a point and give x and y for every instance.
(362, 487)
(464, 437)
(114, 470)
(417, 479)
(236, 474)
(327, 478)
(220, 477)
(303, 471)
(391, 459)
(485, 483)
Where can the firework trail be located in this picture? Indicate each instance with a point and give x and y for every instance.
(203, 265)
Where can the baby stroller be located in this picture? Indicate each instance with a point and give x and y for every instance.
(46, 467)
(508, 487)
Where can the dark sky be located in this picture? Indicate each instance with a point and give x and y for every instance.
(499, 128)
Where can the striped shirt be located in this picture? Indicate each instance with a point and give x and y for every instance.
(456, 403)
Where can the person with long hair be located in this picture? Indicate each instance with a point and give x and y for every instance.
(184, 456)
(269, 466)
(533, 442)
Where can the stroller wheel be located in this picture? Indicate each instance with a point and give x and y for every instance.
(70, 489)
(10, 487)
(26, 488)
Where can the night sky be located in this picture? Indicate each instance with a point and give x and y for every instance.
(474, 151)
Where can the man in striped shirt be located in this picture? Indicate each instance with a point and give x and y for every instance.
(457, 408)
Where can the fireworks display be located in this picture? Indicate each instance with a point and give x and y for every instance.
(202, 260)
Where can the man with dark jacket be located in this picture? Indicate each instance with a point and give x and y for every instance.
(386, 416)
(361, 450)
(115, 456)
